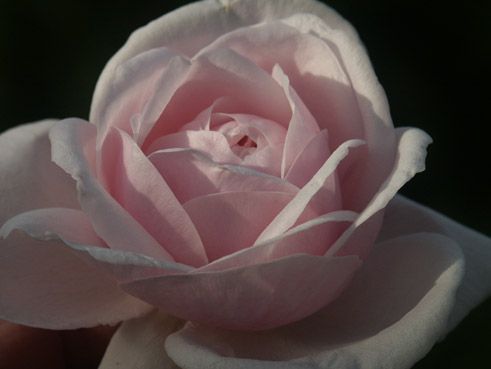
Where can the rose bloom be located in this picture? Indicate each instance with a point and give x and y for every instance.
(235, 189)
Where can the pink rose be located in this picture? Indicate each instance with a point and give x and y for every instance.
(235, 173)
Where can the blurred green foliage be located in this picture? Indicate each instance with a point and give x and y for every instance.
(432, 58)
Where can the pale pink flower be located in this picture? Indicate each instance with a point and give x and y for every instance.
(239, 172)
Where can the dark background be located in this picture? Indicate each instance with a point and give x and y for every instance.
(433, 59)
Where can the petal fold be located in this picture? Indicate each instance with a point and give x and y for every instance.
(231, 221)
(139, 343)
(192, 174)
(256, 297)
(45, 284)
(404, 216)
(290, 214)
(136, 184)
(111, 222)
(410, 159)
(392, 313)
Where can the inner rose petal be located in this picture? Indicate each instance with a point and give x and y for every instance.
(258, 142)
(313, 68)
(191, 174)
(289, 215)
(222, 73)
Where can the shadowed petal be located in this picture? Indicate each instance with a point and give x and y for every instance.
(404, 216)
(289, 215)
(110, 221)
(390, 316)
(46, 284)
(192, 174)
(140, 189)
(410, 159)
(230, 221)
(256, 297)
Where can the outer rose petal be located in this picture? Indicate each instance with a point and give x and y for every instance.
(196, 25)
(231, 221)
(146, 338)
(28, 178)
(392, 313)
(395, 309)
(109, 219)
(255, 297)
(137, 185)
(410, 159)
(404, 216)
(45, 284)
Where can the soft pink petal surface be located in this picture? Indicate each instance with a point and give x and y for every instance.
(231, 221)
(291, 213)
(222, 73)
(70, 225)
(392, 313)
(410, 159)
(210, 143)
(150, 76)
(194, 26)
(74, 229)
(146, 337)
(47, 285)
(135, 183)
(394, 310)
(43, 283)
(302, 126)
(110, 220)
(192, 174)
(309, 160)
(404, 216)
(311, 237)
(256, 297)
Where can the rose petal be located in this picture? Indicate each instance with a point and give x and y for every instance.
(302, 126)
(354, 107)
(53, 223)
(253, 298)
(410, 160)
(173, 78)
(187, 31)
(139, 343)
(73, 227)
(195, 25)
(45, 284)
(210, 143)
(404, 216)
(289, 215)
(373, 109)
(230, 221)
(273, 132)
(309, 161)
(191, 174)
(314, 71)
(312, 237)
(222, 73)
(353, 58)
(394, 310)
(110, 221)
(266, 157)
(150, 76)
(28, 178)
(136, 184)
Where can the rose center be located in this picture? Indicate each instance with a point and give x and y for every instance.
(246, 141)
(242, 145)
